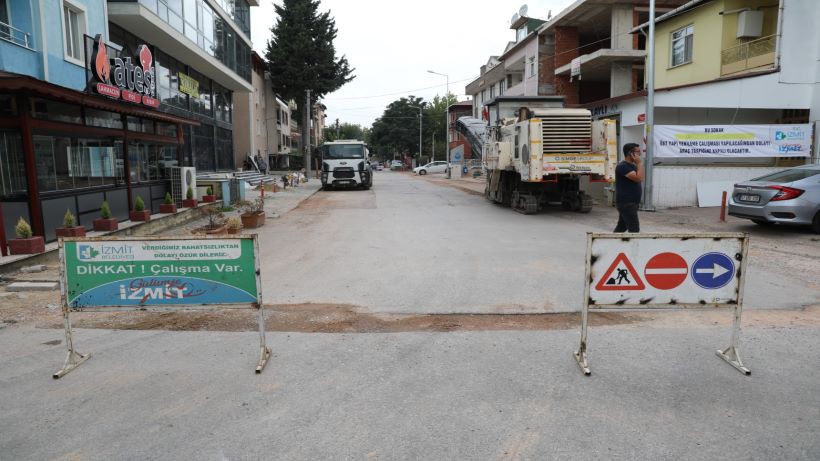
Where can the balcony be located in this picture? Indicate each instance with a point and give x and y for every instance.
(14, 35)
(750, 56)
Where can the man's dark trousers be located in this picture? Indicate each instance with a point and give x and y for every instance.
(627, 218)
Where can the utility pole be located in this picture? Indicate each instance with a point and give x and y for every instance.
(306, 135)
(337, 129)
(433, 155)
(650, 112)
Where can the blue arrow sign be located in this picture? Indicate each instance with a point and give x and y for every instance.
(713, 271)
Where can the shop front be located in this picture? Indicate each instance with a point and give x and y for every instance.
(62, 149)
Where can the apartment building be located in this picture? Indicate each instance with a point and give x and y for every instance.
(100, 99)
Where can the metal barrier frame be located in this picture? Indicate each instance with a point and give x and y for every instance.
(74, 359)
(731, 354)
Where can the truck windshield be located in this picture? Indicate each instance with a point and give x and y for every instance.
(341, 151)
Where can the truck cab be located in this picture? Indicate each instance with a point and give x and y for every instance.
(346, 163)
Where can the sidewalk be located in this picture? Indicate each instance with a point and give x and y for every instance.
(276, 204)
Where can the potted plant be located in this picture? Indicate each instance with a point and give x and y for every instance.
(139, 213)
(189, 201)
(253, 213)
(70, 227)
(234, 225)
(216, 222)
(105, 223)
(26, 243)
(169, 206)
(209, 196)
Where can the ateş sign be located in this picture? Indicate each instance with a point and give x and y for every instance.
(119, 78)
(110, 273)
(644, 270)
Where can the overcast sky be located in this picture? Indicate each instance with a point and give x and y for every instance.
(392, 44)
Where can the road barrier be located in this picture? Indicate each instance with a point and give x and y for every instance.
(107, 274)
(674, 271)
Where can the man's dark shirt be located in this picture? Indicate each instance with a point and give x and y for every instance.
(626, 190)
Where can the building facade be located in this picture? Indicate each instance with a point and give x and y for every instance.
(100, 100)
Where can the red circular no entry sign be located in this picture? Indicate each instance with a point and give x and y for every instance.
(665, 271)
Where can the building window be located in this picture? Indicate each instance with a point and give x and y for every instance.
(65, 162)
(74, 29)
(682, 45)
(532, 66)
(12, 164)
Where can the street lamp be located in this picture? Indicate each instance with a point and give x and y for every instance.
(446, 118)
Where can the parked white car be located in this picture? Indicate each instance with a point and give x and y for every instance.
(432, 167)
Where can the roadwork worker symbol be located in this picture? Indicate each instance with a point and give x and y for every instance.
(620, 275)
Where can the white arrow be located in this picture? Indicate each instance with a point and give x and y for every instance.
(717, 270)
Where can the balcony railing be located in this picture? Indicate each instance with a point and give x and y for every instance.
(753, 55)
(14, 35)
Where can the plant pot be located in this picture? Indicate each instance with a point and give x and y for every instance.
(189, 203)
(28, 246)
(221, 230)
(209, 198)
(105, 224)
(168, 208)
(253, 220)
(234, 230)
(143, 215)
(76, 231)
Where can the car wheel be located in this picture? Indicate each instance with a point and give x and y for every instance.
(815, 223)
(422, 172)
(762, 222)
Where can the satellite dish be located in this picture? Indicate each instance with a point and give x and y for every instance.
(523, 10)
(514, 18)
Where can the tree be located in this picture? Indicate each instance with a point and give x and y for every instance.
(397, 130)
(435, 122)
(301, 55)
(345, 131)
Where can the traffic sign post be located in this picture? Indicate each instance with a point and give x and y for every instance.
(672, 271)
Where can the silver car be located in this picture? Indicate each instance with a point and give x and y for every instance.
(787, 197)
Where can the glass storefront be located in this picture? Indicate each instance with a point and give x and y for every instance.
(210, 146)
(71, 162)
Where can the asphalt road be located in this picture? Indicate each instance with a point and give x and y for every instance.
(414, 246)
(655, 393)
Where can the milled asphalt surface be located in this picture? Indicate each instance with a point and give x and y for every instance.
(411, 245)
(656, 393)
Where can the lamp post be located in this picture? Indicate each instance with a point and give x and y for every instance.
(446, 118)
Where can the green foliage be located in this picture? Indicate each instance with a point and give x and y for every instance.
(397, 130)
(68, 219)
(168, 199)
(346, 131)
(189, 194)
(301, 56)
(105, 210)
(210, 191)
(22, 229)
(139, 204)
(227, 208)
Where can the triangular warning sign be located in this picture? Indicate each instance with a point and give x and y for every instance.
(620, 276)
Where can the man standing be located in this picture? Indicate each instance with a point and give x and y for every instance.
(628, 177)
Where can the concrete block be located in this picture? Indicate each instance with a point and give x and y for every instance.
(34, 268)
(33, 286)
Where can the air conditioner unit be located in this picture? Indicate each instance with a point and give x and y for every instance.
(181, 179)
(750, 24)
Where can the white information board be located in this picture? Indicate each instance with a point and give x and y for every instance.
(651, 271)
(733, 140)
